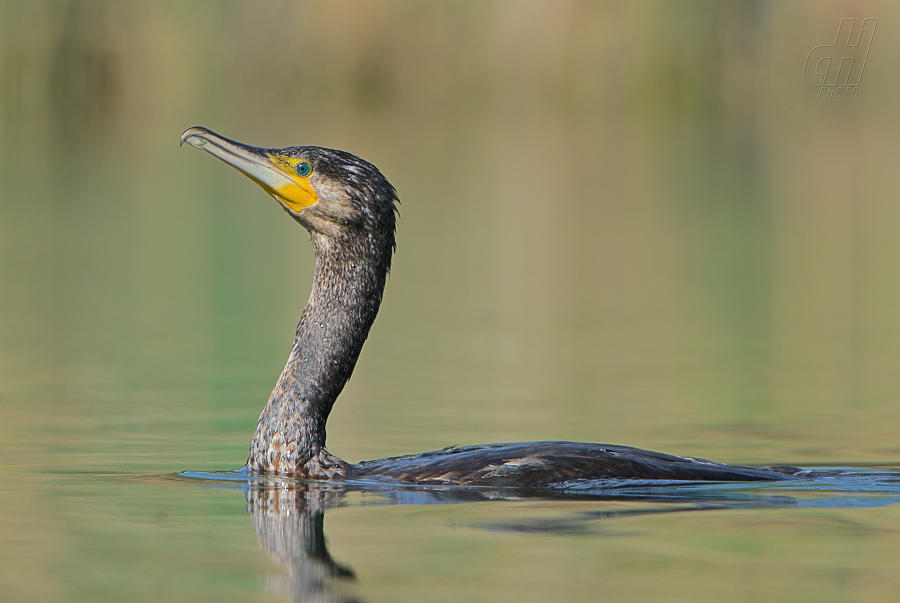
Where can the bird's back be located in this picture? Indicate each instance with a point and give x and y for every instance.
(537, 464)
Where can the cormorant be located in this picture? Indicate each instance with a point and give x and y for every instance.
(348, 207)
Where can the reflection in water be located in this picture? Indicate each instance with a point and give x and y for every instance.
(288, 515)
(289, 520)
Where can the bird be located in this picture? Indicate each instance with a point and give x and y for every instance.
(349, 209)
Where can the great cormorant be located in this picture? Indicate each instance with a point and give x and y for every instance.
(348, 207)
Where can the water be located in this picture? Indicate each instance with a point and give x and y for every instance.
(670, 243)
(225, 536)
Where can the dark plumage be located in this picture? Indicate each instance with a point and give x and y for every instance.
(351, 269)
(348, 207)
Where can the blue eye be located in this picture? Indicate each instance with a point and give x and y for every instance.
(303, 169)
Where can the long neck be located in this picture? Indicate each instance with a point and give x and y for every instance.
(346, 293)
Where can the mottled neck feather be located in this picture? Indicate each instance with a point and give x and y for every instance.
(349, 280)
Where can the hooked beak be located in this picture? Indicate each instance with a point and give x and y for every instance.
(258, 164)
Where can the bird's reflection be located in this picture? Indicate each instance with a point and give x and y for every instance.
(289, 519)
(289, 514)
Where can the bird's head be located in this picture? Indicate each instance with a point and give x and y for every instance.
(331, 193)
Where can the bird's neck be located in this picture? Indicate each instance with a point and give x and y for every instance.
(345, 297)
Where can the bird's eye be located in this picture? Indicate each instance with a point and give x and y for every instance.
(303, 169)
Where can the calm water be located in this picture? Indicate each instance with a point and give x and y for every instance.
(632, 223)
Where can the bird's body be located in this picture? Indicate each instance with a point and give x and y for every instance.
(348, 207)
(539, 464)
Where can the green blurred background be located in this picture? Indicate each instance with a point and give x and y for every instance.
(627, 222)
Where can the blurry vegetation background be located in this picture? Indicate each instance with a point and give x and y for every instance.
(630, 222)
